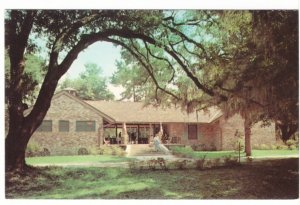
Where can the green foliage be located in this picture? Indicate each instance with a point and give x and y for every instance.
(151, 164)
(198, 147)
(83, 151)
(133, 165)
(216, 162)
(230, 161)
(33, 149)
(281, 147)
(111, 150)
(244, 62)
(265, 147)
(200, 163)
(181, 164)
(90, 85)
(292, 144)
(34, 73)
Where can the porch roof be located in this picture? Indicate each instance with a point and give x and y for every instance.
(136, 112)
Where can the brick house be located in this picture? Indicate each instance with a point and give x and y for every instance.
(72, 123)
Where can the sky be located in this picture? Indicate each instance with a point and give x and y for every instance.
(101, 53)
(104, 55)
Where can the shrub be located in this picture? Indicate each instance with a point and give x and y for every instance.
(118, 151)
(45, 152)
(95, 151)
(239, 145)
(151, 164)
(280, 147)
(198, 147)
(230, 161)
(212, 147)
(292, 144)
(264, 147)
(216, 162)
(108, 150)
(256, 146)
(292, 147)
(200, 163)
(32, 150)
(83, 151)
(132, 164)
(181, 164)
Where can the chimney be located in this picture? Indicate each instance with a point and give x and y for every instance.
(71, 91)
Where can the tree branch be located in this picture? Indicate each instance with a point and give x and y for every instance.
(143, 64)
(161, 58)
(182, 35)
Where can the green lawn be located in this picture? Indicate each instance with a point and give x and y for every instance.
(188, 152)
(75, 159)
(108, 158)
(272, 179)
(263, 153)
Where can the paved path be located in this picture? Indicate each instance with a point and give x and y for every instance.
(141, 158)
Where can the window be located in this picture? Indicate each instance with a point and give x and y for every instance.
(85, 126)
(192, 132)
(63, 126)
(46, 126)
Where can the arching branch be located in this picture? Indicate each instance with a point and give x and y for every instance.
(143, 64)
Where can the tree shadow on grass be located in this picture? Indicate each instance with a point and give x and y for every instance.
(277, 179)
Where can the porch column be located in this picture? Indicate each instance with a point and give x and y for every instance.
(161, 131)
(138, 135)
(125, 134)
(150, 133)
(100, 135)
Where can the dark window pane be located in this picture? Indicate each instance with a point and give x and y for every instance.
(63, 126)
(192, 132)
(85, 126)
(46, 126)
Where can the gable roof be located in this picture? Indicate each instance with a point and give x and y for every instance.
(63, 92)
(136, 112)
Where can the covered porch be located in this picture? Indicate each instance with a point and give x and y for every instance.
(134, 133)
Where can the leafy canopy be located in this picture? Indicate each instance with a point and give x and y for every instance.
(90, 85)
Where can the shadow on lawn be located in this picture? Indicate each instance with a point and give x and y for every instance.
(273, 179)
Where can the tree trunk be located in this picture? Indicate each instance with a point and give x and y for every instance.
(15, 146)
(21, 128)
(247, 127)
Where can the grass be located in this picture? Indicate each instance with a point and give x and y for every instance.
(263, 153)
(75, 159)
(93, 159)
(188, 152)
(272, 179)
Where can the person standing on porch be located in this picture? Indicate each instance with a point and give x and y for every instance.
(119, 138)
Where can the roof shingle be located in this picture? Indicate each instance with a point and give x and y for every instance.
(136, 112)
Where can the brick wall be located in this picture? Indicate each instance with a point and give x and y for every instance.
(207, 134)
(263, 135)
(67, 143)
(177, 130)
(259, 135)
(229, 127)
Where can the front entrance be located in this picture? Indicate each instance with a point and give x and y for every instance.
(137, 133)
